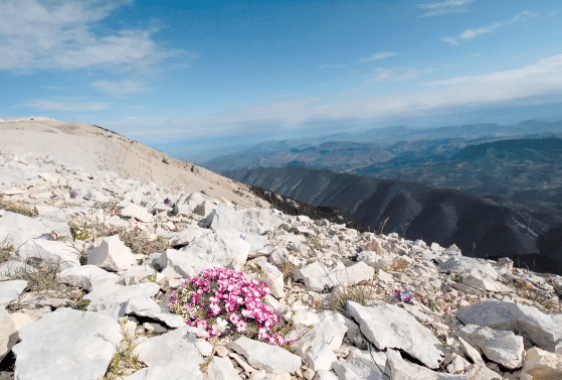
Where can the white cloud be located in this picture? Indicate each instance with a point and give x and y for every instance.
(540, 80)
(398, 74)
(67, 105)
(379, 56)
(444, 7)
(451, 41)
(120, 87)
(47, 35)
(469, 34)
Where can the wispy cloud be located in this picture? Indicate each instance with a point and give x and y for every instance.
(48, 35)
(542, 79)
(398, 74)
(469, 34)
(379, 56)
(444, 7)
(67, 105)
(118, 88)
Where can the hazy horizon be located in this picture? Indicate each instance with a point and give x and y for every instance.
(206, 76)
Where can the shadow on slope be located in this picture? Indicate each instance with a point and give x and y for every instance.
(479, 227)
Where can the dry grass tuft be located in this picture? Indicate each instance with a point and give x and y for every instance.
(398, 265)
(19, 208)
(356, 293)
(139, 245)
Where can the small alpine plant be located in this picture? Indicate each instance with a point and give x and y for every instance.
(223, 301)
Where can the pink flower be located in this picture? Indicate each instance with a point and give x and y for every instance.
(241, 326)
(234, 318)
(202, 324)
(226, 293)
(272, 340)
(262, 334)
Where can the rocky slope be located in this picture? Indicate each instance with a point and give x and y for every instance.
(89, 260)
(95, 148)
(481, 227)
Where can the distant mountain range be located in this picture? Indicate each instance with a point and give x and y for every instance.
(348, 152)
(496, 194)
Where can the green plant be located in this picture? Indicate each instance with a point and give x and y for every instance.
(81, 232)
(122, 358)
(286, 267)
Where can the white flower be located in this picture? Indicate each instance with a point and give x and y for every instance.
(222, 323)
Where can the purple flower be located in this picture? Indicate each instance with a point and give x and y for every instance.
(403, 296)
(167, 201)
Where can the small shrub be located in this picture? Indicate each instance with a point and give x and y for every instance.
(81, 232)
(122, 359)
(286, 267)
(224, 302)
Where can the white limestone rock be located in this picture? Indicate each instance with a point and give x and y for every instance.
(485, 284)
(137, 212)
(390, 326)
(39, 355)
(118, 300)
(111, 254)
(477, 267)
(224, 249)
(86, 276)
(135, 274)
(8, 333)
(273, 277)
(186, 264)
(16, 229)
(188, 235)
(222, 369)
(51, 252)
(544, 330)
(10, 290)
(357, 369)
(261, 355)
(500, 346)
(12, 267)
(541, 364)
(398, 368)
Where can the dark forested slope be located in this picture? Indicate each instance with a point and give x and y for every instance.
(481, 227)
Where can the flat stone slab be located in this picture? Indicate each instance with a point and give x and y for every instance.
(500, 346)
(272, 359)
(542, 329)
(10, 290)
(66, 351)
(389, 326)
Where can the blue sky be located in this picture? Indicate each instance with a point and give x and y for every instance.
(190, 77)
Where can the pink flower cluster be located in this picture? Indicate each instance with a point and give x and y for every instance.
(221, 292)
